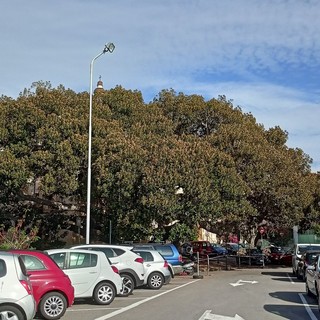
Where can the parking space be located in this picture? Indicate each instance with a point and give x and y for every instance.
(83, 309)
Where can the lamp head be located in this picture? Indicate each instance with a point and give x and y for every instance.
(109, 47)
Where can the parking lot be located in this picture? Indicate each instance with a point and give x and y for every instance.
(82, 309)
(268, 294)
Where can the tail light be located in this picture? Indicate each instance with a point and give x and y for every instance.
(115, 269)
(139, 260)
(166, 264)
(180, 258)
(27, 286)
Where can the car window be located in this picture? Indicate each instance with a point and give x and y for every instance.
(59, 259)
(164, 250)
(147, 256)
(109, 253)
(118, 251)
(32, 263)
(144, 247)
(82, 260)
(3, 268)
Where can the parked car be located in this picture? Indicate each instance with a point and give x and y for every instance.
(168, 250)
(52, 288)
(313, 280)
(16, 299)
(234, 248)
(129, 264)
(298, 251)
(254, 256)
(218, 250)
(307, 259)
(157, 271)
(204, 248)
(91, 274)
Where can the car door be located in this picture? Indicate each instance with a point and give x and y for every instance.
(82, 269)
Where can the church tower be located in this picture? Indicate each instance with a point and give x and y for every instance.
(99, 87)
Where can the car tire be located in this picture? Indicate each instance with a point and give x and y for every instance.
(53, 305)
(104, 293)
(128, 284)
(10, 312)
(155, 280)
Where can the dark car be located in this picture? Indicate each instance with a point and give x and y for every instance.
(307, 259)
(234, 248)
(52, 288)
(218, 250)
(253, 256)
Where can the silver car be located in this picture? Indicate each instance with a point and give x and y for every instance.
(157, 271)
(16, 299)
(313, 279)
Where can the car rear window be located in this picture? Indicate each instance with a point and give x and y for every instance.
(147, 256)
(32, 263)
(164, 250)
(3, 268)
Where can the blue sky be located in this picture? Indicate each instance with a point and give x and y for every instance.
(264, 55)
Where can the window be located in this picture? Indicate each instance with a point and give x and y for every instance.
(82, 260)
(147, 256)
(164, 250)
(32, 263)
(109, 253)
(118, 252)
(3, 268)
(59, 259)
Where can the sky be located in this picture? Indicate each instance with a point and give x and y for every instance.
(263, 55)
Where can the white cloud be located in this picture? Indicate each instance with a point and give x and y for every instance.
(262, 54)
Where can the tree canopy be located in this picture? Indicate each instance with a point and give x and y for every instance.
(235, 174)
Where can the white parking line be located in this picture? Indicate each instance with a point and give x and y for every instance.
(288, 275)
(112, 314)
(306, 305)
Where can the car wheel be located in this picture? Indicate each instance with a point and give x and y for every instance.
(155, 280)
(10, 312)
(128, 284)
(104, 293)
(53, 305)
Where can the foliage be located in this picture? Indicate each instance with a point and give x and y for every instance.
(17, 238)
(235, 174)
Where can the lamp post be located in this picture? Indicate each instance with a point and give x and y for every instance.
(109, 47)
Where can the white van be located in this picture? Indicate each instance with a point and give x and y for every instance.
(299, 250)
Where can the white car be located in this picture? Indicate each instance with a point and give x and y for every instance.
(91, 274)
(16, 299)
(298, 250)
(130, 264)
(156, 267)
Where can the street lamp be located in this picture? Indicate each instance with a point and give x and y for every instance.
(109, 47)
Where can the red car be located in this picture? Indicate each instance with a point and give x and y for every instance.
(280, 255)
(52, 288)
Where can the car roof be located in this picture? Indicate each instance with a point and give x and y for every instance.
(124, 247)
(74, 250)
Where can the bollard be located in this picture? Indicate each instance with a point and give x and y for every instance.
(208, 264)
(198, 275)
